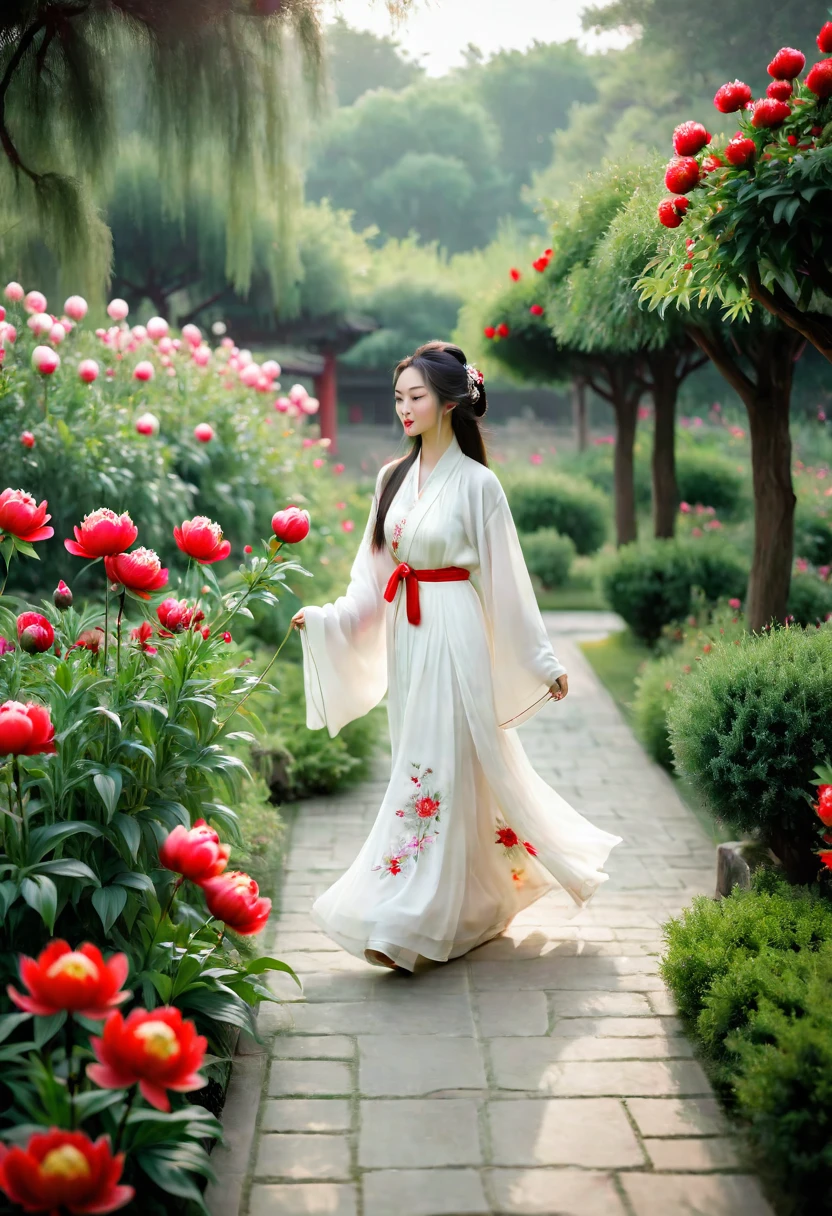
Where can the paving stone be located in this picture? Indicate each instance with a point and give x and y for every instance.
(677, 1116)
(589, 1132)
(418, 1133)
(409, 1065)
(619, 1028)
(434, 1192)
(451, 1013)
(533, 1065)
(692, 1195)
(704, 1153)
(555, 1192)
(512, 1013)
(592, 1047)
(310, 1077)
(314, 1157)
(312, 1047)
(662, 1003)
(306, 1115)
(586, 1004)
(303, 1199)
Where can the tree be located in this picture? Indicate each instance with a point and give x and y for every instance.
(600, 312)
(759, 224)
(712, 40)
(358, 60)
(423, 159)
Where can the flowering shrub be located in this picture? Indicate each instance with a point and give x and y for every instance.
(117, 765)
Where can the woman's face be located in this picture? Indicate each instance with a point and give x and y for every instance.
(416, 405)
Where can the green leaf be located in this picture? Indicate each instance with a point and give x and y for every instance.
(108, 785)
(26, 549)
(162, 983)
(46, 1028)
(97, 1100)
(107, 713)
(129, 831)
(45, 838)
(10, 1023)
(8, 894)
(41, 894)
(109, 904)
(258, 965)
(137, 879)
(171, 1179)
(68, 867)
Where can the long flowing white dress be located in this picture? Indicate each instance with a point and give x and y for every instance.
(468, 833)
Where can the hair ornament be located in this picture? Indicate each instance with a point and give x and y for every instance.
(475, 379)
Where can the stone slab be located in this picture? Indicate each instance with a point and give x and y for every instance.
(306, 1115)
(533, 1065)
(555, 1192)
(512, 1013)
(692, 1195)
(312, 1047)
(310, 1078)
(592, 1133)
(317, 1158)
(705, 1153)
(418, 1133)
(409, 1065)
(433, 1192)
(677, 1116)
(303, 1199)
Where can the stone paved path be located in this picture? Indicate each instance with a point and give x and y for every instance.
(545, 1073)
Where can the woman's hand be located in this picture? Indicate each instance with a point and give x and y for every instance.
(560, 688)
(298, 619)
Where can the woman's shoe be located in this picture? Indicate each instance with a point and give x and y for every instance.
(381, 960)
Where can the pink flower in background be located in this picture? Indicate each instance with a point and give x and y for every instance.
(340, 506)
(643, 412)
(696, 532)
(338, 468)
(734, 603)
(347, 525)
(801, 564)
(536, 458)
(685, 508)
(319, 463)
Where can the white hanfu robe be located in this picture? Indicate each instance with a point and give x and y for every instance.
(468, 833)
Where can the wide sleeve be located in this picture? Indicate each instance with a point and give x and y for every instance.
(345, 645)
(524, 665)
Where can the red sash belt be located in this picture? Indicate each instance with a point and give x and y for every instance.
(412, 578)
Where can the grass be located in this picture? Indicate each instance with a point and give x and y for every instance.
(571, 599)
(617, 660)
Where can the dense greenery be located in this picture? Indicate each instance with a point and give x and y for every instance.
(568, 504)
(752, 974)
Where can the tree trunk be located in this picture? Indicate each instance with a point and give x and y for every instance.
(579, 413)
(815, 327)
(774, 498)
(767, 400)
(665, 389)
(625, 403)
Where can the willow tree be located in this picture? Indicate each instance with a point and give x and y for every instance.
(217, 86)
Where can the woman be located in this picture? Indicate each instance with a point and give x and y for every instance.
(440, 613)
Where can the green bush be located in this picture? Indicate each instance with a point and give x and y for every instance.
(651, 584)
(749, 726)
(595, 463)
(753, 974)
(705, 476)
(655, 689)
(570, 505)
(813, 532)
(548, 555)
(810, 599)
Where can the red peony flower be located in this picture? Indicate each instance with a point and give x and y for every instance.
(825, 38)
(780, 90)
(740, 151)
(174, 615)
(536, 310)
(90, 639)
(690, 138)
(235, 898)
(732, 97)
(64, 1170)
(157, 1049)
(507, 837)
(142, 635)
(34, 632)
(78, 981)
(204, 432)
(819, 81)
(709, 163)
(671, 210)
(62, 596)
(290, 525)
(823, 806)
(502, 330)
(202, 540)
(515, 274)
(22, 518)
(195, 853)
(826, 858)
(102, 534)
(426, 807)
(787, 64)
(140, 571)
(27, 439)
(682, 174)
(489, 331)
(26, 730)
(769, 113)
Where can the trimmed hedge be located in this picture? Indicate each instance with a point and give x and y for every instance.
(570, 505)
(704, 476)
(748, 728)
(650, 585)
(813, 532)
(810, 599)
(548, 555)
(752, 974)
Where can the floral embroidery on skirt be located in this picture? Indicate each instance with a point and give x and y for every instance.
(515, 849)
(420, 819)
(397, 533)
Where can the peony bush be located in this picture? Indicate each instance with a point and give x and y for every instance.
(118, 769)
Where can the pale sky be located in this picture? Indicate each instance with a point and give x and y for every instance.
(437, 31)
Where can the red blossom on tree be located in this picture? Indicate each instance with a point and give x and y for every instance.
(682, 174)
(770, 113)
(690, 138)
(732, 97)
(819, 79)
(787, 64)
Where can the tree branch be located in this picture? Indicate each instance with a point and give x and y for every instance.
(816, 328)
(26, 40)
(725, 363)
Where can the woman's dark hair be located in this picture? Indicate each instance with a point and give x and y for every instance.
(443, 367)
